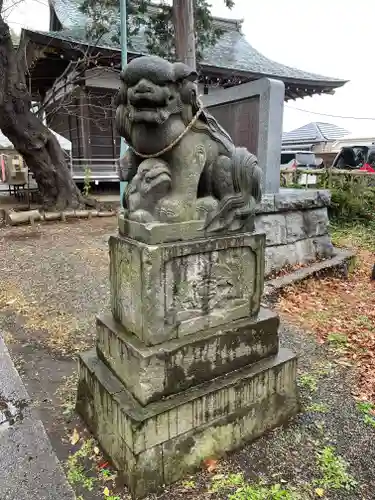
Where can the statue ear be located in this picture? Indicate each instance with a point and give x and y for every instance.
(122, 96)
(184, 72)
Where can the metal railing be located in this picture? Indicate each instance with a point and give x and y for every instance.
(104, 170)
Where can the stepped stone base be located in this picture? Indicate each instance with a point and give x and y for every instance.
(187, 364)
(153, 372)
(159, 443)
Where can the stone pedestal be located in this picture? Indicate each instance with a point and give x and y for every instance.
(187, 363)
(168, 290)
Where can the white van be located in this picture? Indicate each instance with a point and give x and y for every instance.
(300, 159)
(297, 159)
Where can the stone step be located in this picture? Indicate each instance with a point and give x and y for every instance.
(160, 443)
(153, 372)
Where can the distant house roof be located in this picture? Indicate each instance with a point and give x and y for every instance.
(231, 53)
(313, 133)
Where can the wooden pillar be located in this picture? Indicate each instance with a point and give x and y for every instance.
(84, 125)
(183, 20)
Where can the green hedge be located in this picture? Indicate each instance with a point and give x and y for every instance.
(353, 195)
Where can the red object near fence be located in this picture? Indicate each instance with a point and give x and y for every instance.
(367, 168)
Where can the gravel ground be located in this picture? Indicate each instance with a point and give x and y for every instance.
(54, 280)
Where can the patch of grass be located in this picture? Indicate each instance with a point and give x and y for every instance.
(355, 235)
(87, 469)
(107, 475)
(259, 492)
(234, 487)
(308, 381)
(189, 485)
(76, 470)
(108, 496)
(337, 340)
(364, 321)
(320, 429)
(222, 481)
(317, 408)
(67, 392)
(368, 411)
(322, 369)
(318, 316)
(334, 471)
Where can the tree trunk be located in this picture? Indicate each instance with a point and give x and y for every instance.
(183, 20)
(30, 137)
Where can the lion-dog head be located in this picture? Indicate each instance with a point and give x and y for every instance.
(152, 90)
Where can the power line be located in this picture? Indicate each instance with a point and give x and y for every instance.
(331, 116)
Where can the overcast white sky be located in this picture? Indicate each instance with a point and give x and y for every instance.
(331, 37)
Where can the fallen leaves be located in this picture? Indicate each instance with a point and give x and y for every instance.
(340, 313)
(74, 438)
(57, 329)
(210, 464)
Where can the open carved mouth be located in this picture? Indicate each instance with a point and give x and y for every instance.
(145, 104)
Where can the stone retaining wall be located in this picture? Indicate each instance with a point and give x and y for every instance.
(296, 225)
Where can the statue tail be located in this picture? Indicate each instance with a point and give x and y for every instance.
(240, 204)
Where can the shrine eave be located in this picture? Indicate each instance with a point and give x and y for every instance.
(63, 47)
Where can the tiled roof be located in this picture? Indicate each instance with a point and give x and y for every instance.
(314, 132)
(232, 51)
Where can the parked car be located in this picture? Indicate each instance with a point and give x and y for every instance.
(297, 159)
(352, 157)
(300, 160)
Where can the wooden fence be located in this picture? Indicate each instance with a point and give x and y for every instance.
(326, 178)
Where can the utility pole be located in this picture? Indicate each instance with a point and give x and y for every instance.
(124, 62)
(183, 20)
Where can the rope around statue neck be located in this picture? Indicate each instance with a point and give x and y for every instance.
(176, 141)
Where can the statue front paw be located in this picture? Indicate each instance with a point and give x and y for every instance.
(206, 206)
(176, 209)
(141, 216)
(170, 209)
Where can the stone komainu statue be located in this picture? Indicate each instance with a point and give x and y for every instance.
(202, 174)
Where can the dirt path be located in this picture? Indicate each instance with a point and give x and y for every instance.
(54, 280)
